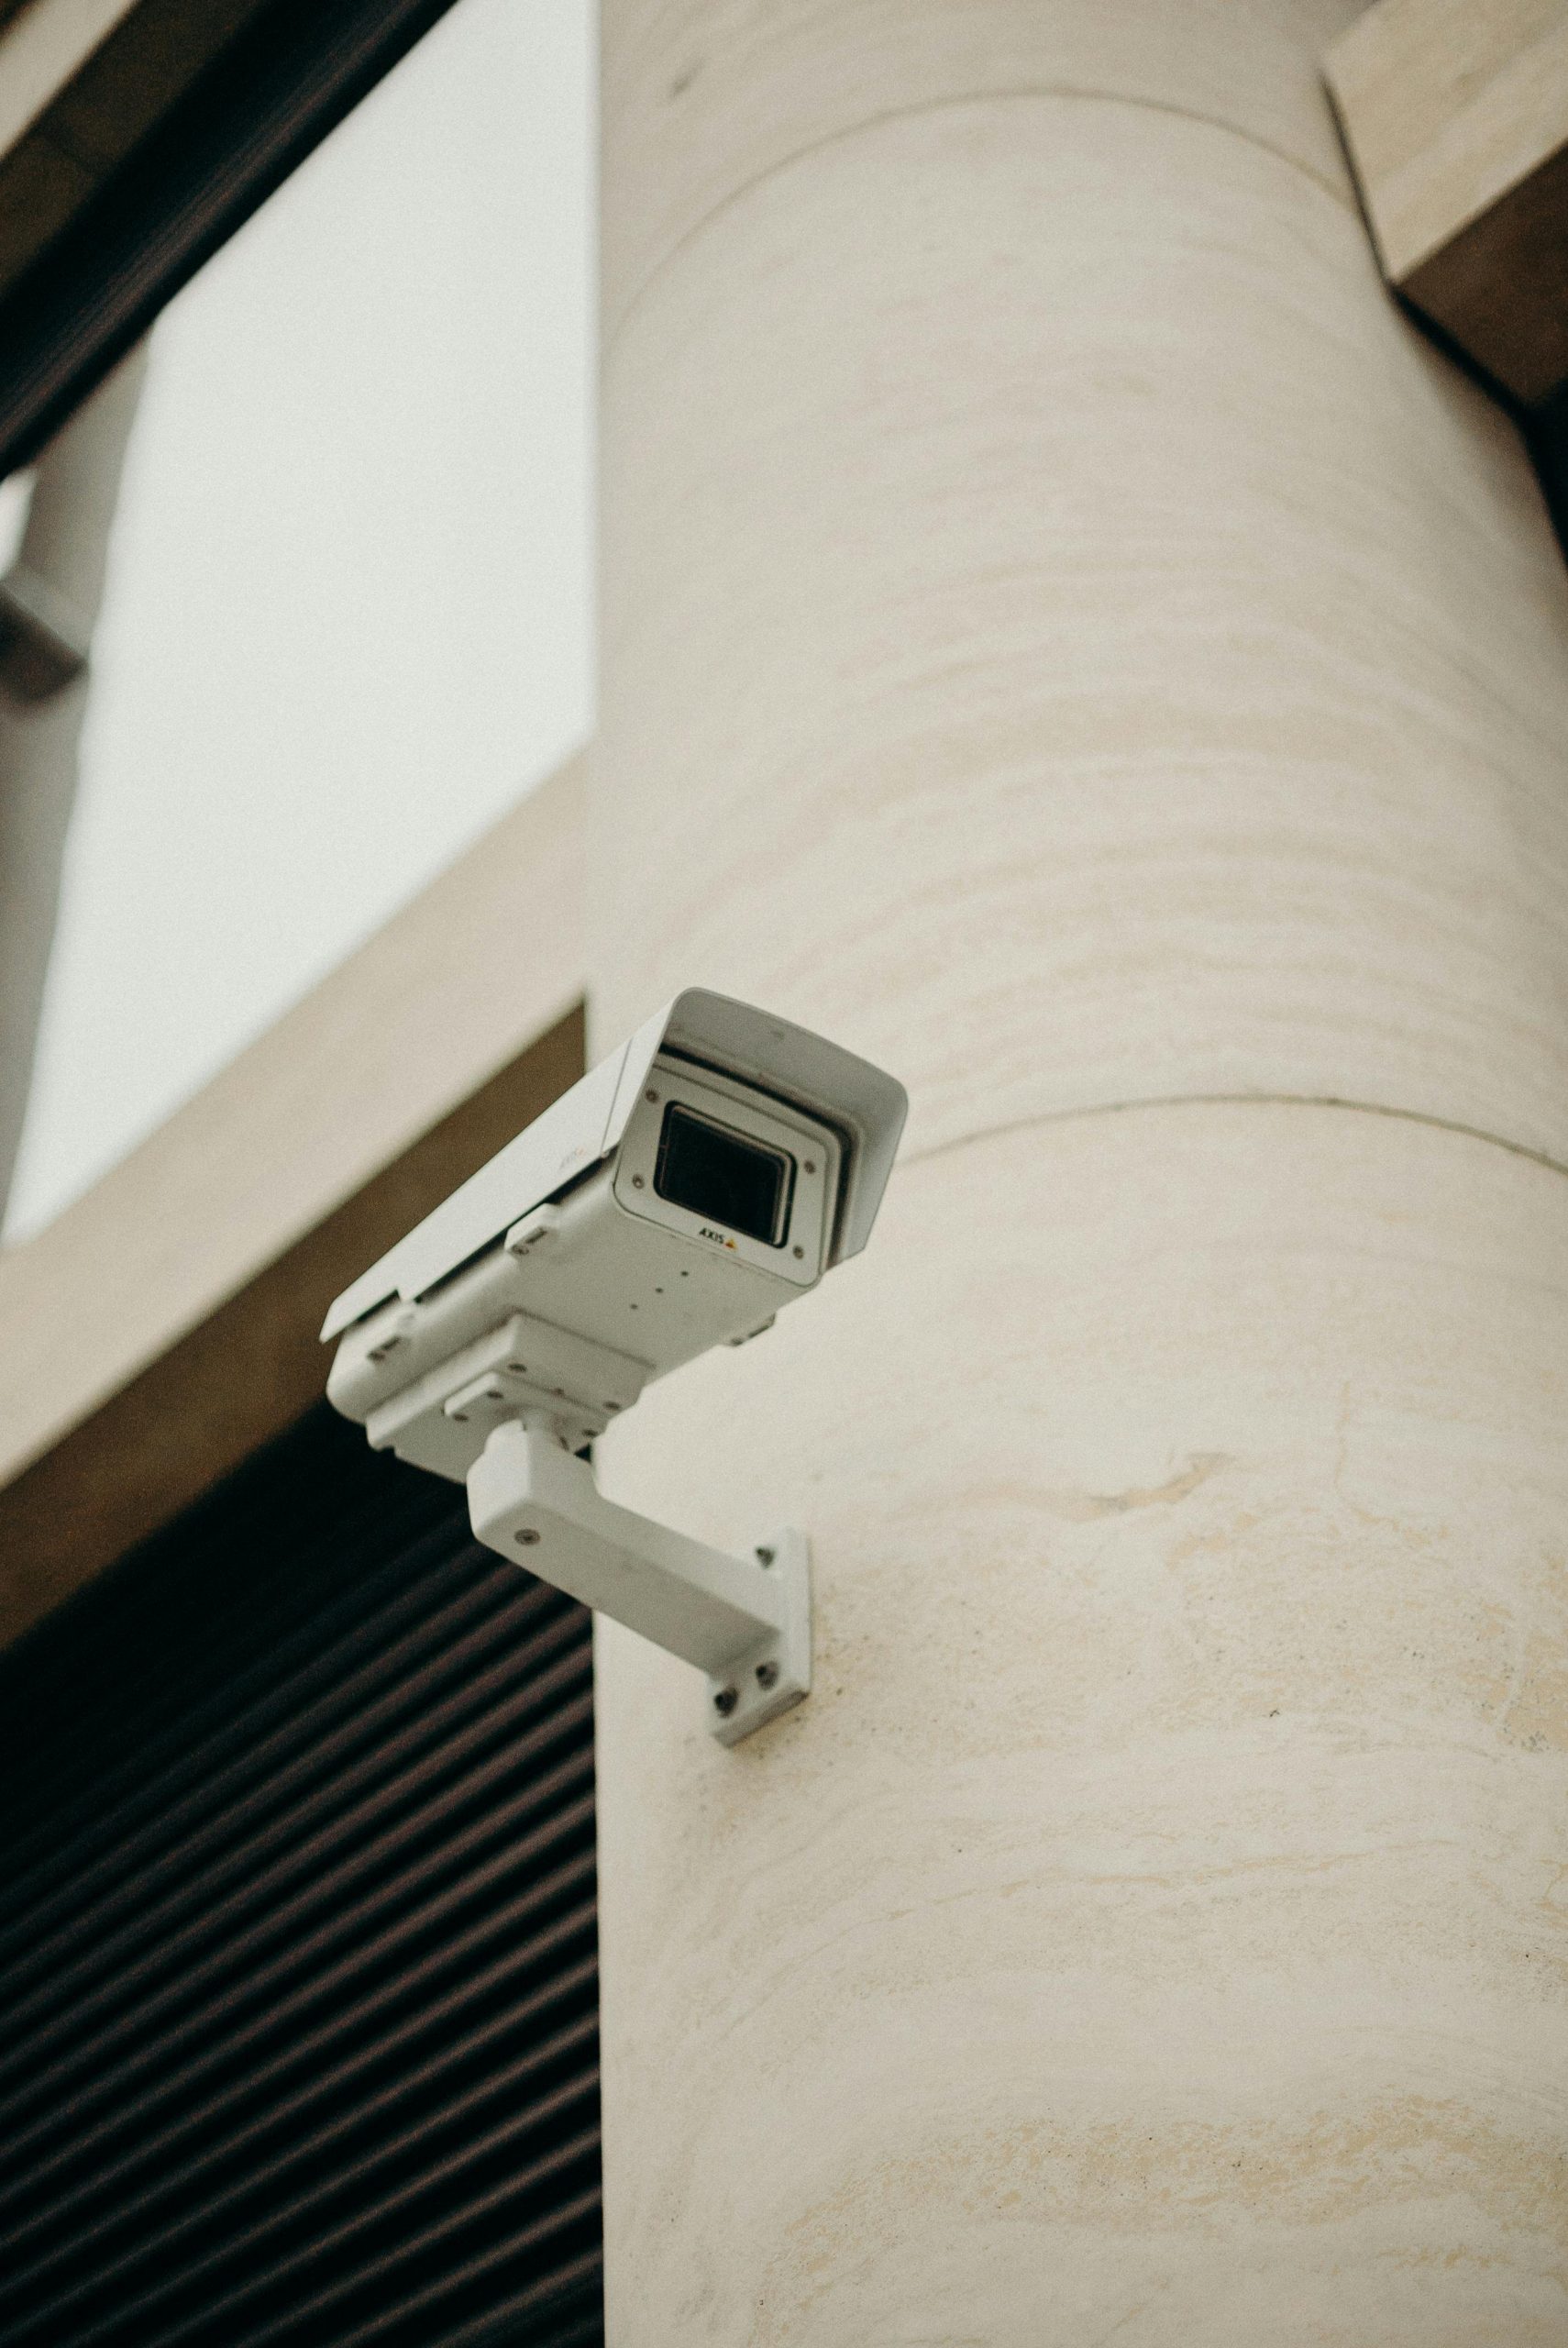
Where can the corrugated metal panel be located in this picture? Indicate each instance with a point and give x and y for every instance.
(298, 1975)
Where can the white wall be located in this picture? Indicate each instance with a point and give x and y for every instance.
(348, 611)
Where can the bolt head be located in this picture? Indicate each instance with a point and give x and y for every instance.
(724, 1701)
(765, 1557)
(525, 1538)
(768, 1675)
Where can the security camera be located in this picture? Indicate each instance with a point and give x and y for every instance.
(706, 1174)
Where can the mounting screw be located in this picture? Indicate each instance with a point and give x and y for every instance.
(636, 1181)
(724, 1701)
(811, 1165)
(767, 1675)
(799, 1251)
(526, 1537)
(765, 1557)
(650, 1096)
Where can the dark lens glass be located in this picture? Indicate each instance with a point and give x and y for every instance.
(723, 1177)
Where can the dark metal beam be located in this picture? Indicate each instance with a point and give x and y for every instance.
(286, 76)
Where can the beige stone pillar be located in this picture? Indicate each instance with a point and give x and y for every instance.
(1066, 636)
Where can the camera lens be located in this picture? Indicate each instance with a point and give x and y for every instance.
(722, 1176)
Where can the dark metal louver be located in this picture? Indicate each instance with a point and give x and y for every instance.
(298, 1987)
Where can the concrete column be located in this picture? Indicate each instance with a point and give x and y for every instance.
(1066, 635)
(58, 577)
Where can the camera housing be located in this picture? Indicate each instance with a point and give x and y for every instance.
(703, 1176)
(709, 1172)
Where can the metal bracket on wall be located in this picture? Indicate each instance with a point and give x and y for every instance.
(746, 1622)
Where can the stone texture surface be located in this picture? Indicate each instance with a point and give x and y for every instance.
(1155, 1919)
(1066, 636)
(1042, 565)
(704, 99)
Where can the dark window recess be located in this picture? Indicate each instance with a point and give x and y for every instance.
(298, 1987)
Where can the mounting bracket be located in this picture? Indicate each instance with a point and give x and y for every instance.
(746, 1622)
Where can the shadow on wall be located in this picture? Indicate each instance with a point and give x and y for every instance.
(1546, 436)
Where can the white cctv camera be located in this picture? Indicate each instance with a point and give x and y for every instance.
(705, 1174)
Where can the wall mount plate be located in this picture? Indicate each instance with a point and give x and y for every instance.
(774, 1676)
(744, 1621)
